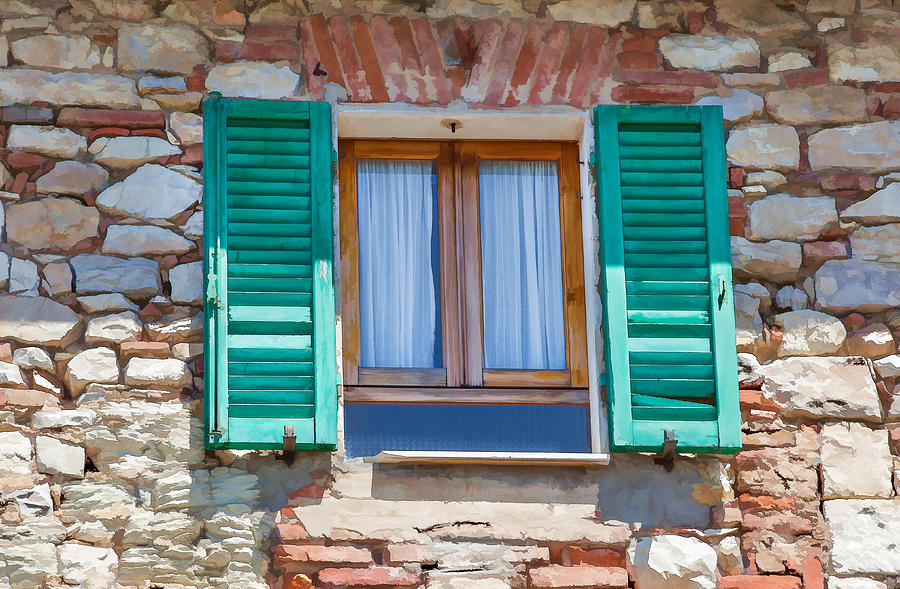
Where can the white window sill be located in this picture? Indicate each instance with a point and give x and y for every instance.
(513, 458)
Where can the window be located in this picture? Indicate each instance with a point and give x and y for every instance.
(462, 285)
(463, 297)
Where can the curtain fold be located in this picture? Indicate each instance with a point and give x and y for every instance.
(521, 265)
(398, 264)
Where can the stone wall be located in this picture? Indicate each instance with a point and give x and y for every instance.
(104, 481)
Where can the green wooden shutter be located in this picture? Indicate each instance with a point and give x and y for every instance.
(668, 309)
(270, 357)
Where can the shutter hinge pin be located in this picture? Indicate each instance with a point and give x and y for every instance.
(666, 458)
(289, 445)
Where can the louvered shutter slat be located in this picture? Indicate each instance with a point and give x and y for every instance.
(668, 315)
(270, 324)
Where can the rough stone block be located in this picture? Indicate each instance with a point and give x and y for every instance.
(55, 457)
(764, 146)
(856, 462)
(864, 534)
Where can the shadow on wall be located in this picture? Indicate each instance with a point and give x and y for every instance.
(630, 489)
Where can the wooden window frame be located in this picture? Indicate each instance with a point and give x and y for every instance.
(456, 165)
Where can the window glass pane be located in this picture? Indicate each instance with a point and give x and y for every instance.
(399, 288)
(521, 265)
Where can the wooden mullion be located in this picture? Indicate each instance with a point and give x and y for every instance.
(349, 240)
(451, 305)
(468, 198)
(573, 265)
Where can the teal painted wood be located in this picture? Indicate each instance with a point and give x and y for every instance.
(668, 316)
(270, 342)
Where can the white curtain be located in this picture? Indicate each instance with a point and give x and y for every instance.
(398, 264)
(521, 265)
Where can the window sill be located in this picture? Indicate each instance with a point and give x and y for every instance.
(511, 458)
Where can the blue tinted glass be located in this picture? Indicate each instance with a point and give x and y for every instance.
(371, 428)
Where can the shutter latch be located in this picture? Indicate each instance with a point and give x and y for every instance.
(666, 458)
(288, 445)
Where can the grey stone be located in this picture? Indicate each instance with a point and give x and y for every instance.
(740, 106)
(4, 270)
(25, 86)
(252, 79)
(872, 341)
(672, 562)
(133, 277)
(88, 566)
(748, 323)
(823, 388)
(29, 115)
(74, 178)
(31, 357)
(871, 147)
(792, 298)
(116, 328)
(173, 193)
(143, 240)
(175, 328)
(709, 53)
(757, 291)
(58, 277)
(888, 367)
(147, 527)
(23, 277)
(59, 419)
(843, 286)
(57, 51)
(876, 60)
(50, 222)
(15, 452)
(764, 146)
(777, 261)
(881, 207)
(33, 502)
(187, 127)
(169, 372)
(37, 320)
(106, 302)
(782, 216)
(856, 462)
(193, 228)
(170, 84)
(46, 140)
(877, 244)
(187, 283)
(765, 20)
(91, 365)
(55, 457)
(817, 105)
(810, 333)
(93, 500)
(604, 13)
(854, 583)
(864, 536)
(131, 152)
(166, 48)
(769, 179)
(30, 565)
(11, 376)
(788, 60)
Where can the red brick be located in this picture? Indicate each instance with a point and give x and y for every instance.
(18, 185)
(569, 63)
(130, 350)
(873, 105)
(805, 77)
(816, 253)
(150, 133)
(291, 556)
(296, 581)
(586, 73)
(505, 62)
(735, 177)
(759, 582)
(431, 59)
(737, 227)
(107, 132)
(834, 234)
(325, 49)
(780, 523)
(652, 94)
(227, 50)
(637, 60)
(853, 321)
(890, 87)
(652, 76)
(891, 109)
(196, 82)
(230, 18)
(193, 155)
(750, 503)
(607, 59)
(601, 557)
(580, 576)
(848, 181)
(270, 51)
(102, 117)
(813, 576)
(271, 33)
(551, 50)
(753, 399)
(292, 532)
(309, 491)
(694, 21)
(403, 553)
(640, 44)
(369, 60)
(483, 41)
(531, 48)
(894, 438)
(409, 57)
(19, 160)
(150, 312)
(371, 577)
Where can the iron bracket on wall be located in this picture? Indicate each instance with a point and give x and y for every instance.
(666, 458)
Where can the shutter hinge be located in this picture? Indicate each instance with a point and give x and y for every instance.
(212, 294)
(666, 458)
(288, 445)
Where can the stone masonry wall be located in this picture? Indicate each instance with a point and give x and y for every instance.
(104, 481)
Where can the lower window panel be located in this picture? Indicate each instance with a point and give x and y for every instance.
(372, 427)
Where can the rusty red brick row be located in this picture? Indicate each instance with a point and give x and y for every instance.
(422, 61)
